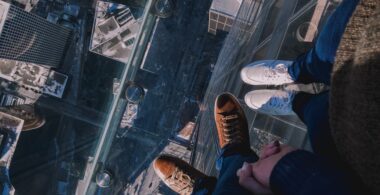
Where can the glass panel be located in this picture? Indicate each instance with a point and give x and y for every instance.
(262, 52)
(241, 49)
(67, 105)
(272, 19)
(303, 30)
(295, 41)
(300, 4)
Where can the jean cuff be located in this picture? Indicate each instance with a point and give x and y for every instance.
(299, 69)
(299, 102)
(204, 186)
(294, 70)
(232, 149)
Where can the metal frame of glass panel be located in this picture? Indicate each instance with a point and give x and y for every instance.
(129, 73)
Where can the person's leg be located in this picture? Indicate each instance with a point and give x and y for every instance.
(233, 139)
(313, 110)
(231, 159)
(316, 64)
(204, 186)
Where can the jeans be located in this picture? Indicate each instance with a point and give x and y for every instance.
(313, 66)
(316, 66)
(231, 159)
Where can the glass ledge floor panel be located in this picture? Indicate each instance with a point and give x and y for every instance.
(281, 31)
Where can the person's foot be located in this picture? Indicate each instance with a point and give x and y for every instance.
(273, 102)
(230, 120)
(177, 174)
(267, 72)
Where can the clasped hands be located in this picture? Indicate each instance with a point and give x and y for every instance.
(255, 177)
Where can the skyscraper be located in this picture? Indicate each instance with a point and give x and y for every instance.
(29, 38)
(115, 31)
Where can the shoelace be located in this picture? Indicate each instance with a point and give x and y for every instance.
(274, 73)
(181, 180)
(230, 124)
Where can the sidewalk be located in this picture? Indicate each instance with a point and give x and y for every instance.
(280, 30)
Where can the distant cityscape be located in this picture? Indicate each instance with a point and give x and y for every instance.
(60, 65)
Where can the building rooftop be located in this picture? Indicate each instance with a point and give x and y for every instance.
(228, 7)
(114, 32)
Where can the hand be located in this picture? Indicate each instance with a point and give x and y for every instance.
(255, 177)
(263, 168)
(270, 149)
(249, 182)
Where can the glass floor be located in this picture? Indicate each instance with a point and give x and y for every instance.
(135, 79)
(280, 30)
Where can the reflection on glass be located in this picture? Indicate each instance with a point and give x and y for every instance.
(294, 41)
(272, 19)
(301, 4)
(134, 93)
(306, 32)
(335, 2)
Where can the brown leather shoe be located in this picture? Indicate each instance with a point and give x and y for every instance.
(176, 174)
(230, 120)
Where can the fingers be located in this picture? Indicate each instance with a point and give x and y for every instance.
(275, 143)
(262, 169)
(250, 184)
(247, 181)
(244, 171)
(269, 152)
(270, 149)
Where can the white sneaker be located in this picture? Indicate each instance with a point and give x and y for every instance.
(267, 72)
(273, 102)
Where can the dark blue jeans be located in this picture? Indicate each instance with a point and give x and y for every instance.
(231, 159)
(316, 66)
(313, 66)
